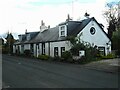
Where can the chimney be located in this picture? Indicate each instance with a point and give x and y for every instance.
(26, 31)
(68, 18)
(42, 23)
(87, 15)
(42, 27)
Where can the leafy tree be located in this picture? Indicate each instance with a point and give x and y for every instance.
(111, 15)
(78, 44)
(116, 41)
(9, 43)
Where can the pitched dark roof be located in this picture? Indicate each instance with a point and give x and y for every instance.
(32, 36)
(52, 34)
(75, 27)
(9, 36)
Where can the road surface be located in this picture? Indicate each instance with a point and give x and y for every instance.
(21, 72)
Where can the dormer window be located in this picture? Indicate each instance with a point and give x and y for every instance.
(20, 37)
(62, 31)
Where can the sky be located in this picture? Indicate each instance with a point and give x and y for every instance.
(18, 15)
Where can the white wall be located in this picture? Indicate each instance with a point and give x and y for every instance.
(46, 49)
(26, 46)
(34, 46)
(20, 48)
(14, 49)
(40, 48)
(99, 38)
(59, 44)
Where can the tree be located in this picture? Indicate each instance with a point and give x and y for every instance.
(111, 15)
(9, 43)
(116, 41)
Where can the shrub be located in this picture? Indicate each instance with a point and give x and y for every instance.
(43, 57)
(75, 49)
(109, 56)
(66, 56)
(82, 60)
(56, 58)
(27, 52)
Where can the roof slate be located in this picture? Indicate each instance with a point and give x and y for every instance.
(52, 34)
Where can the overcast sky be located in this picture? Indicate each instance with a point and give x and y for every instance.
(18, 15)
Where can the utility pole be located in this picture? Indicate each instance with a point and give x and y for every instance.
(73, 8)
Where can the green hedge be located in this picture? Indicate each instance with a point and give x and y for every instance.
(109, 56)
(66, 56)
(43, 57)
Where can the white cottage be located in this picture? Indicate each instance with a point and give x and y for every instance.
(53, 42)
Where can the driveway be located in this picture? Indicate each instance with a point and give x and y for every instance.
(107, 65)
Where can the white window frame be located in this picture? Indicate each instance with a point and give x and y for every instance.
(62, 28)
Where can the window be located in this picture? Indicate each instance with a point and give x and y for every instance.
(62, 50)
(62, 31)
(92, 30)
(31, 48)
(101, 50)
(43, 48)
(55, 51)
(62, 28)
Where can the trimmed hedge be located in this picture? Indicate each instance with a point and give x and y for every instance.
(27, 52)
(43, 57)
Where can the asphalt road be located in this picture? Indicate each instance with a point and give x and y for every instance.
(29, 73)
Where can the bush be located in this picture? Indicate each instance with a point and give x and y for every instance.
(43, 57)
(66, 56)
(27, 52)
(83, 60)
(56, 58)
(109, 56)
(75, 49)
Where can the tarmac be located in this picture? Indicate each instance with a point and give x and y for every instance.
(0, 71)
(107, 65)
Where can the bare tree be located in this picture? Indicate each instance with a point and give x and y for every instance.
(111, 15)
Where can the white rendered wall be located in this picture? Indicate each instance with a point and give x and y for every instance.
(99, 38)
(59, 44)
(26, 46)
(14, 49)
(46, 49)
(34, 46)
